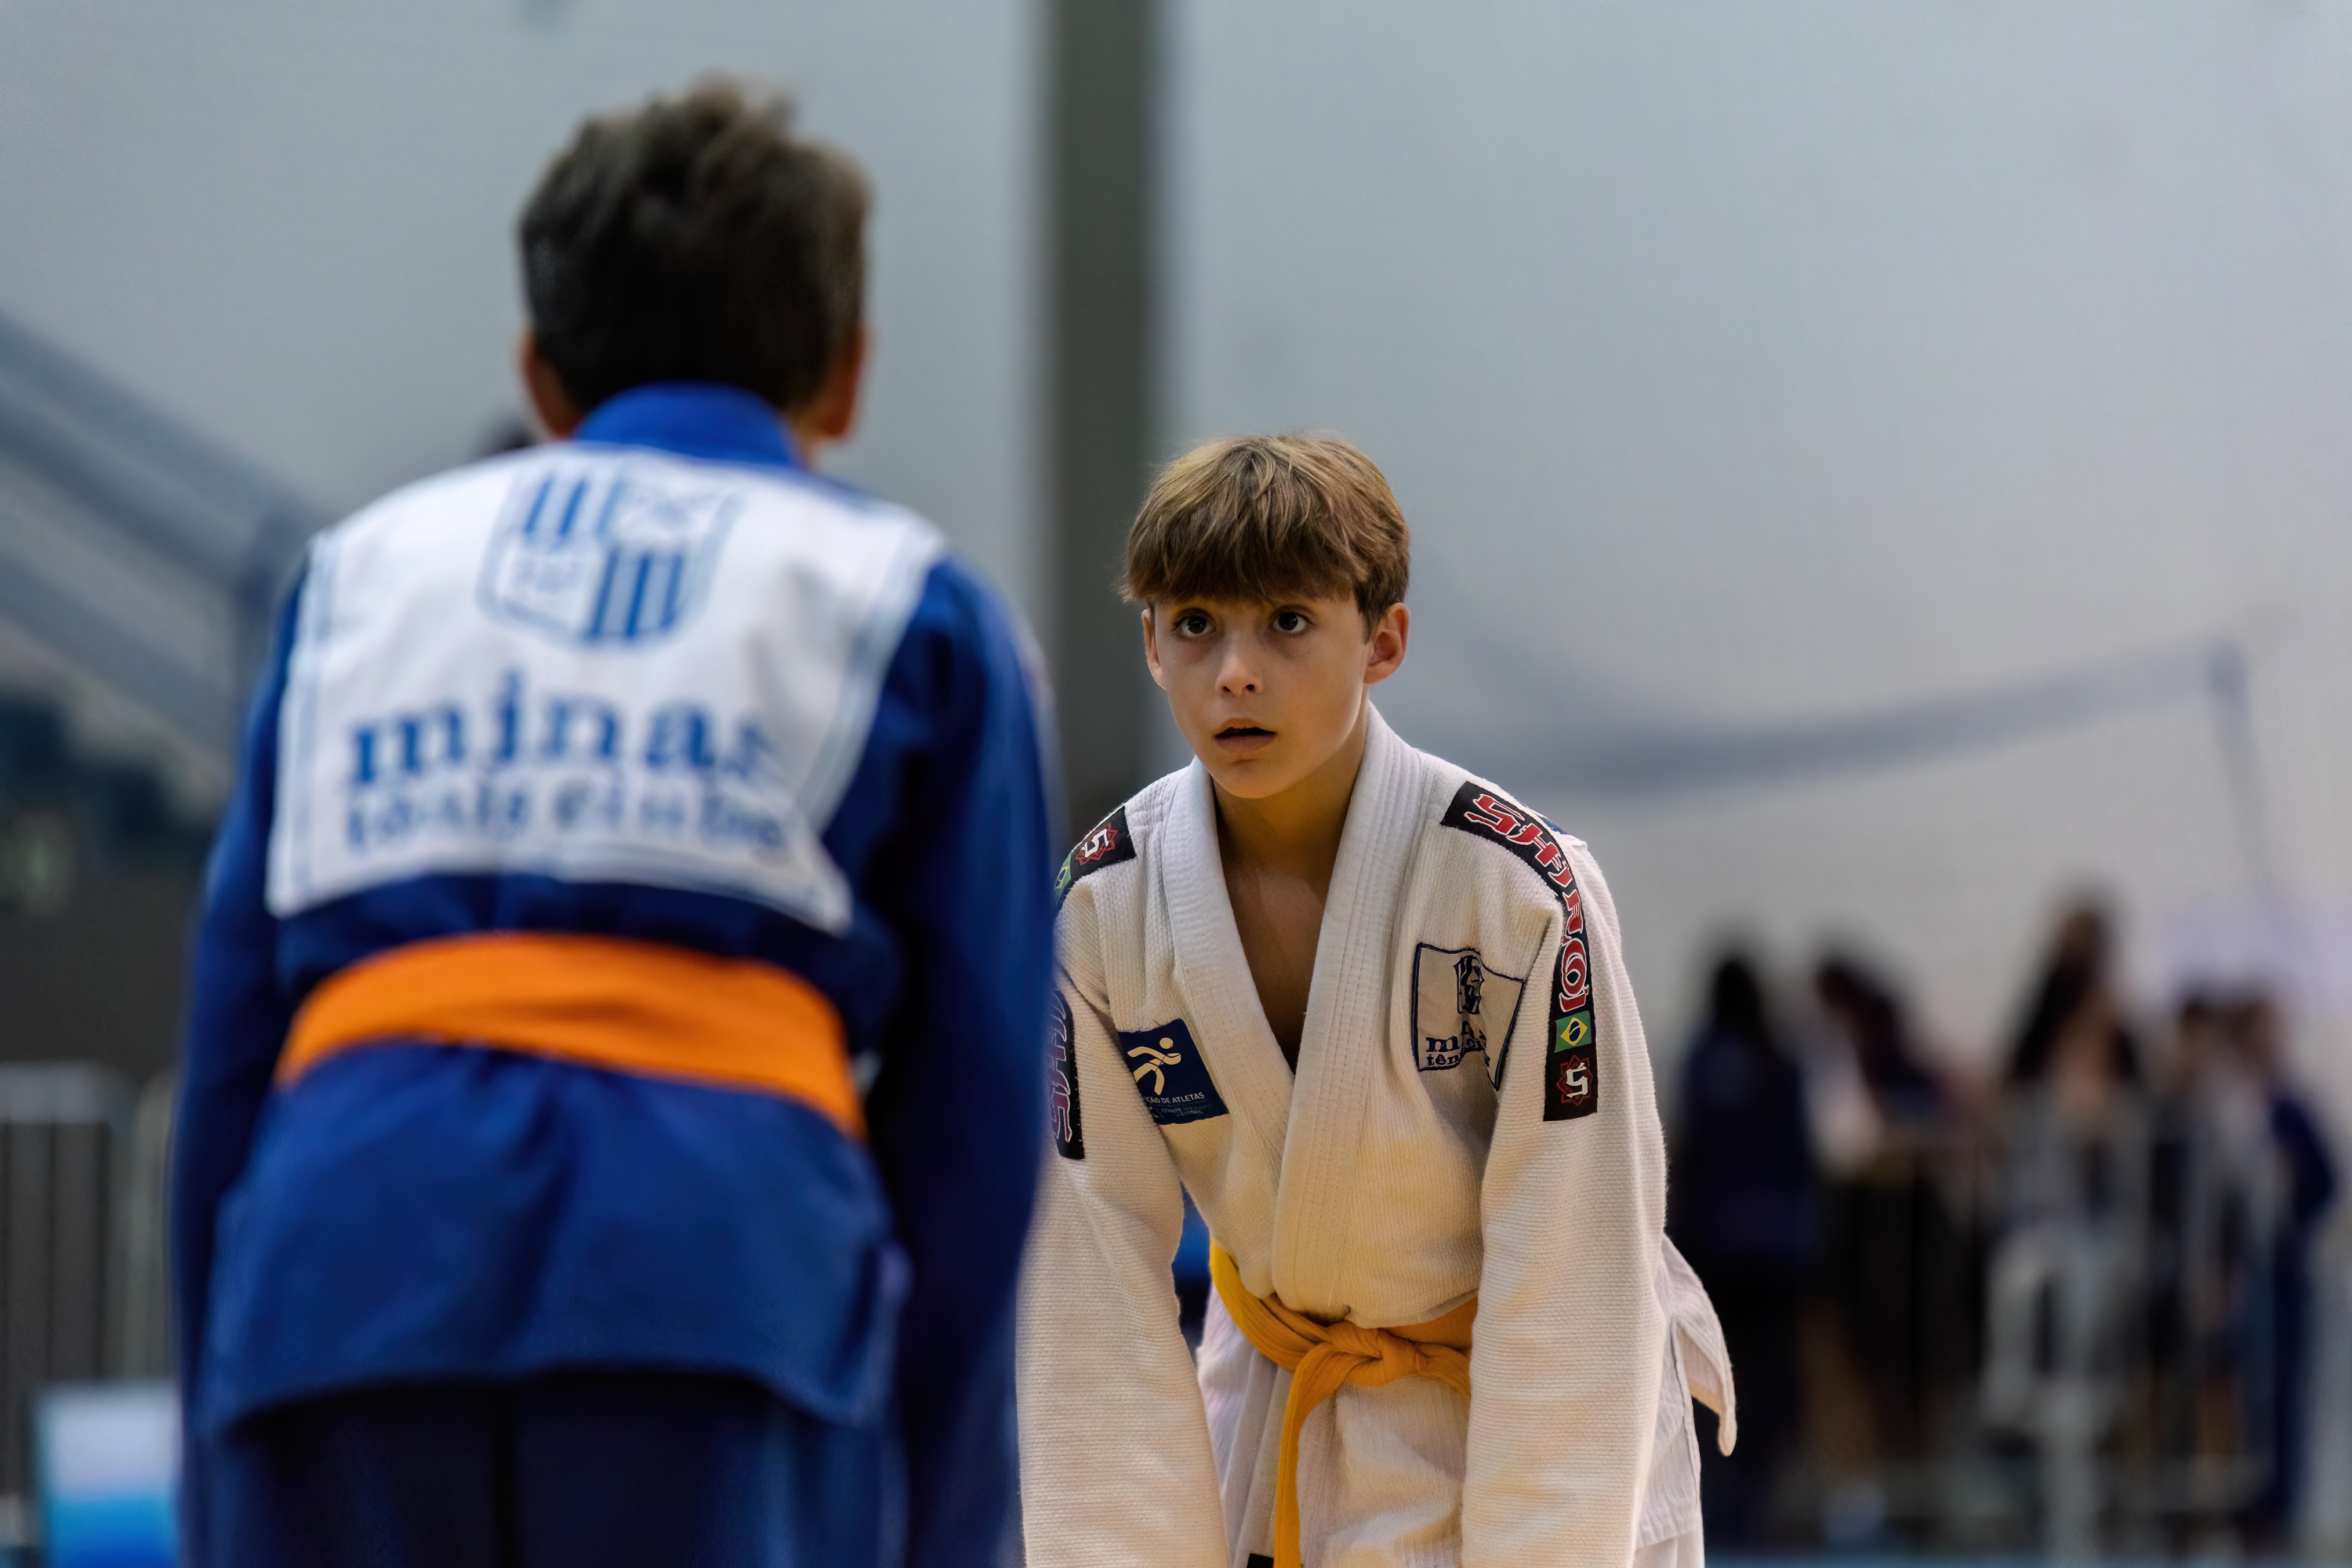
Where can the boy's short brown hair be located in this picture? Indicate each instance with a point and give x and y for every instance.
(1260, 517)
(696, 238)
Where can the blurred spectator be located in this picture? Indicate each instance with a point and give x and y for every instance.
(2073, 1030)
(2299, 1174)
(2075, 1123)
(2067, 1272)
(2241, 1178)
(1746, 1214)
(1863, 1013)
(2176, 1342)
(1897, 1260)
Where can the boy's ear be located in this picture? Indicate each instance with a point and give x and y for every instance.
(559, 414)
(832, 413)
(1152, 649)
(1385, 651)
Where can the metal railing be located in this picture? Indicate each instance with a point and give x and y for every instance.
(84, 1157)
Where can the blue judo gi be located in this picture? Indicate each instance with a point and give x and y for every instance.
(450, 1298)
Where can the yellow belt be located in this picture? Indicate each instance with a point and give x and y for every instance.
(605, 1001)
(1319, 1357)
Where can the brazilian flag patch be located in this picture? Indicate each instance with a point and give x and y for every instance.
(1571, 1068)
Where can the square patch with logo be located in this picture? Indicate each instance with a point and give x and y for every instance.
(606, 556)
(1461, 1005)
(1170, 1074)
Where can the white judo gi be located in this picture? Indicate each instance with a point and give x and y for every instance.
(1472, 1113)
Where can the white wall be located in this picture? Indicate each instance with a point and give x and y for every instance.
(292, 224)
(1742, 363)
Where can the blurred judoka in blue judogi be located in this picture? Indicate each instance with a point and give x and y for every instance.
(613, 1098)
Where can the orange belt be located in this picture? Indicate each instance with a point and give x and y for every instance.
(605, 1001)
(1321, 1356)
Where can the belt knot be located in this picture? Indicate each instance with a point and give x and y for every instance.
(1321, 1357)
(1377, 1356)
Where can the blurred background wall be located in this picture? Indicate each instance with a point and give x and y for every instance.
(293, 226)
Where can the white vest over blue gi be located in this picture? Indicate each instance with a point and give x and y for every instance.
(1471, 1114)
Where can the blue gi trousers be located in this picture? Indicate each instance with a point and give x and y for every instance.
(574, 1471)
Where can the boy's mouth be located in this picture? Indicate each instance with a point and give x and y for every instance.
(1241, 740)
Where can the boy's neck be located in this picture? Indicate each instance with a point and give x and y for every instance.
(1295, 832)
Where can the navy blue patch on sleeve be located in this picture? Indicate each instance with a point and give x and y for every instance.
(1170, 1074)
(1571, 1071)
(1062, 1081)
(1107, 845)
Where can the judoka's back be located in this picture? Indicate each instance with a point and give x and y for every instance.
(631, 834)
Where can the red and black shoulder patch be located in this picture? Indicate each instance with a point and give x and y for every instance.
(1572, 1067)
(1107, 845)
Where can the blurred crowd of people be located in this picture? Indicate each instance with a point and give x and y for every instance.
(2070, 1299)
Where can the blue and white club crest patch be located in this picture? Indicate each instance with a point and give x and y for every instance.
(1461, 1005)
(1170, 1074)
(604, 554)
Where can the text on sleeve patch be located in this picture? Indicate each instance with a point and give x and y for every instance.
(1062, 1081)
(1572, 1067)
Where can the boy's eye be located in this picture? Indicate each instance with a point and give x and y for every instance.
(1192, 624)
(1289, 621)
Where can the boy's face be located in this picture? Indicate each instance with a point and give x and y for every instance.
(1266, 693)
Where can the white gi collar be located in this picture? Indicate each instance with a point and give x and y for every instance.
(1314, 1124)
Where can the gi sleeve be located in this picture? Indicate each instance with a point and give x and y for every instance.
(1570, 1338)
(237, 1020)
(956, 1113)
(1115, 1458)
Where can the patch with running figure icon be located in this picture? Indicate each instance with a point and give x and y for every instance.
(1170, 1074)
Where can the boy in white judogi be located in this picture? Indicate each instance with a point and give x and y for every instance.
(1371, 1012)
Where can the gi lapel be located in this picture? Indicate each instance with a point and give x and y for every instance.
(1213, 976)
(1343, 1050)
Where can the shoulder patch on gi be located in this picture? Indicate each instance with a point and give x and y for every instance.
(1062, 1081)
(1107, 845)
(1571, 1072)
(1170, 1074)
(1461, 1005)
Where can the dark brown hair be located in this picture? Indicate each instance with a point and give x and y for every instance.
(1259, 518)
(696, 238)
